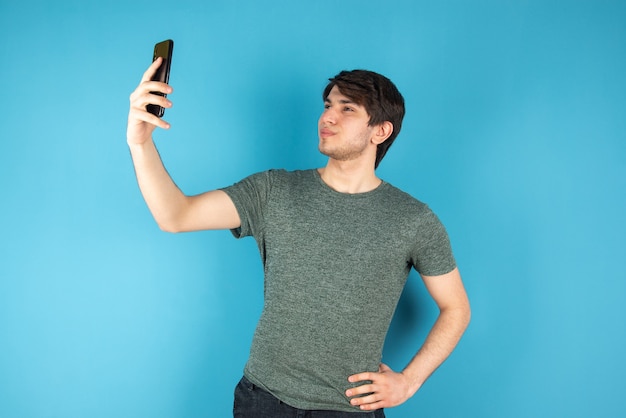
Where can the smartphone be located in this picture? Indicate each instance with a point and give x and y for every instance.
(162, 49)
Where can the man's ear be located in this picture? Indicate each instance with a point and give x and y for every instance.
(382, 132)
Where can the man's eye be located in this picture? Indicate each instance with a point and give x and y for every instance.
(348, 109)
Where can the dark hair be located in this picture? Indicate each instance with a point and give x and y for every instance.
(380, 97)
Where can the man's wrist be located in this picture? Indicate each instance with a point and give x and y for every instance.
(138, 145)
(414, 379)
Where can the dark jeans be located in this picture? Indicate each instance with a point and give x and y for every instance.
(253, 402)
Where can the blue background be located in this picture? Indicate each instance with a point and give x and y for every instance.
(515, 135)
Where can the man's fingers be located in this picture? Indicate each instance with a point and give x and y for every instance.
(381, 389)
(147, 76)
(140, 100)
(144, 116)
(360, 377)
(154, 99)
(360, 390)
(365, 400)
(373, 406)
(151, 86)
(148, 85)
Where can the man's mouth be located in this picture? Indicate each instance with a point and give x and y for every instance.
(325, 133)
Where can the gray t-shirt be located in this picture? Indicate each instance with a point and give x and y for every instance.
(335, 265)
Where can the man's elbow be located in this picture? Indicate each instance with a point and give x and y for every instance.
(467, 314)
(169, 226)
(465, 311)
(461, 312)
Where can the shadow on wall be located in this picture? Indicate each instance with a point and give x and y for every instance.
(414, 316)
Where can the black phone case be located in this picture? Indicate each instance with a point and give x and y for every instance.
(162, 49)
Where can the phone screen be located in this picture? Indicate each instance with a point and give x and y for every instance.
(162, 49)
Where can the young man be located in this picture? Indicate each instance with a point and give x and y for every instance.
(337, 245)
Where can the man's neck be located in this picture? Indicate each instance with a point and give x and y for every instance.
(349, 177)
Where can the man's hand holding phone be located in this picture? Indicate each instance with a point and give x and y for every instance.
(142, 123)
(149, 100)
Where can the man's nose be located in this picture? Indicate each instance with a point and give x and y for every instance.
(329, 116)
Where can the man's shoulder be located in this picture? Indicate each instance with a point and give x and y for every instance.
(277, 174)
(277, 180)
(290, 178)
(397, 196)
(282, 173)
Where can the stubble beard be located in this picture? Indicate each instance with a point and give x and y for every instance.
(346, 152)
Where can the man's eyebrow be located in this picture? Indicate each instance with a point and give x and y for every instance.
(341, 101)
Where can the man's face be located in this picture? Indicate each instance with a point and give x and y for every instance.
(343, 128)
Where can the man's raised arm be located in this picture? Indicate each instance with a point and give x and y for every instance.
(171, 208)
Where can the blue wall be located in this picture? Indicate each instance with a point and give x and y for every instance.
(515, 135)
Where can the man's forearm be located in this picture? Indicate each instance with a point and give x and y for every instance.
(164, 199)
(387, 388)
(442, 339)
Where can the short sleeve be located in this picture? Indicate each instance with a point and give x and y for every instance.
(432, 253)
(250, 197)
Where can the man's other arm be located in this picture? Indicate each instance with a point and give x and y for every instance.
(389, 388)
